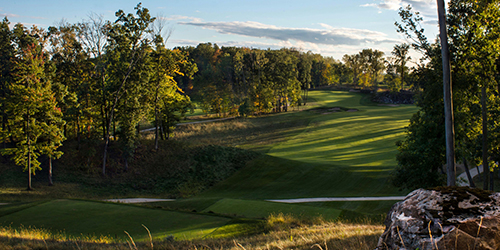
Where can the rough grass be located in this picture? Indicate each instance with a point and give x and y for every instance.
(282, 232)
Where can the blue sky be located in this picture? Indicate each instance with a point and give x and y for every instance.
(331, 28)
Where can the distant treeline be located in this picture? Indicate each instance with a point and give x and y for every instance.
(244, 80)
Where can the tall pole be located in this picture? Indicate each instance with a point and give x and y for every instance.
(448, 102)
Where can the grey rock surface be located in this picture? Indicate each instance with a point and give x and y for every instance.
(444, 218)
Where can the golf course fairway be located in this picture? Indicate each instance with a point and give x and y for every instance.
(347, 150)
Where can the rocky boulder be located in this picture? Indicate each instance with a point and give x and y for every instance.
(444, 218)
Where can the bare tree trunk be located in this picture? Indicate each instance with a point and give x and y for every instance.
(486, 167)
(448, 100)
(29, 168)
(51, 183)
(156, 111)
(29, 150)
(469, 177)
(156, 128)
(492, 181)
(78, 132)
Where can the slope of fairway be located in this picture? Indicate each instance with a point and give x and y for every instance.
(342, 154)
(77, 218)
(262, 209)
(365, 137)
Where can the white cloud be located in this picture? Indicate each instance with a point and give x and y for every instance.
(8, 15)
(385, 4)
(328, 35)
(11, 15)
(425, 7)
(178, 17)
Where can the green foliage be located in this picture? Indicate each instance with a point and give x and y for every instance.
(421, 154)
(365, 67)
(393, 82)
(400, 52)
(216, 163)
(245, 109)
(474, 46)
(34, 121)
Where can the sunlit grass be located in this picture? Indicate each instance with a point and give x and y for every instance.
(33, 233)
(282, 231)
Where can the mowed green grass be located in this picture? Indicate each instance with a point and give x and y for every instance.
(365, 138)
(86, 218)
(262, 209)
(338, 154)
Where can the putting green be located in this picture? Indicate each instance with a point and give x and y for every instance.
(83, 218)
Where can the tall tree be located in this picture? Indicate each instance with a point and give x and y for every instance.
(31, 105)
(127, 50)
(448, 101)
(400, 53)
(474, 32)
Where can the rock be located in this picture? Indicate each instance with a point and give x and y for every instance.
(444, 218)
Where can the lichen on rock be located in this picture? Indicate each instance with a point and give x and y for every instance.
(444, 218)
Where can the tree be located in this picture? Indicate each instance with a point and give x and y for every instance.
(304, 68)
(93, 37)
(448, 101)
(34, 116)
(474, 33)
(400, 53)
(354, 63)
(6, 55)
(166, 65)
(174, 108)
(126, 52)
(422, 152)
(474, 46)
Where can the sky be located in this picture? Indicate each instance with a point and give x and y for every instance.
(330, 28)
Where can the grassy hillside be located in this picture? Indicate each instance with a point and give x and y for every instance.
(336, 154)
(339, 145)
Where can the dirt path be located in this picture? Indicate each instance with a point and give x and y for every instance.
(299, 200)
(305, 200)
(3, 204)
